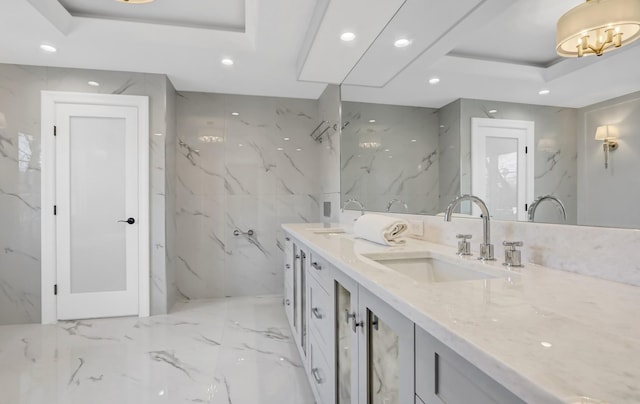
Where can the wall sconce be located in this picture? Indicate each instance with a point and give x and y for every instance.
(608, 134)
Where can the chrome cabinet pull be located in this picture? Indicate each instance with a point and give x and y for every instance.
(287, 266)
(316, 313)
(288, 302)
(316, 266)
(316, 375)
(354, 324)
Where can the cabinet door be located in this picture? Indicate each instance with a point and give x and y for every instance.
(296, 292)
(304, 314)
(346, 338)
(288, 302)
(386, 353)
(443, 376)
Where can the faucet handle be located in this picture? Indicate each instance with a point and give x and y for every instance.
(512, 244)
(464, 247)
(512, 256)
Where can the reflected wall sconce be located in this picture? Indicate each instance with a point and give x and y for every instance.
(608, 134)
(598, 26)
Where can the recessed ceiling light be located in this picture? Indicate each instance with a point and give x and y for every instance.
(240, 145)
(298, 149)
(94, 84)
(372, 121)
(279, 149)
(348, 36)
(48, 48)
(546, 344)
(134, 1)
(434, 80)
(442, 126)
(235, 113)
(413, 140)
(493, 111)
(158, 134)
(401, 43)
(387, 150)
(286, 138)
(227, 62)
(544, 92)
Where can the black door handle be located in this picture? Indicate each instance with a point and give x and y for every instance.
(129, 220)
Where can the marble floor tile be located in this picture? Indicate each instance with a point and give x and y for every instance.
(235, 350)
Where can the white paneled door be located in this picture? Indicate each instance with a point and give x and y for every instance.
(97, 210)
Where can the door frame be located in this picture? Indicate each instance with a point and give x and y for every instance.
(477, 164)
(49, 99)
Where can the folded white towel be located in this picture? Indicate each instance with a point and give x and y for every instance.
(380, 229)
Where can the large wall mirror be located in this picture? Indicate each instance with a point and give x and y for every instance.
(465, 109)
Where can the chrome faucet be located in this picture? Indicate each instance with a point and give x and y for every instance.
(486, 248)
(357, 202)
(391, 202)
(534, 205)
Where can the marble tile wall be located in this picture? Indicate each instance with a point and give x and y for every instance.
(252, 171)
(609, 197)
(555, 153)
(394, 157)
(20, 209)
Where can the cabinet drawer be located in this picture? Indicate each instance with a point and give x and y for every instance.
(443, 376)
(320, 315)
(320, 372)
(321, 270)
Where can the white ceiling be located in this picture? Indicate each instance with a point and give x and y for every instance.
(488, 49)
(228, 15)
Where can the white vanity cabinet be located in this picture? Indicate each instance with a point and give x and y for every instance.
(357, 349)
(374, 345)
(443, 376)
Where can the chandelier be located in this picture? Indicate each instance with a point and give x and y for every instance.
(598, 26)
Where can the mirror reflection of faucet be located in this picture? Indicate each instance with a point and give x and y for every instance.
(531, 212)
(391, 202)
(357, 202)
(486, 248)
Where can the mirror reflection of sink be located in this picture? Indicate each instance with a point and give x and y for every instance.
(426, 269)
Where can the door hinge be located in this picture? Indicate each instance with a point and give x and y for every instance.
(55, 210)
(55, 131)
(55, 289)
(526, 149)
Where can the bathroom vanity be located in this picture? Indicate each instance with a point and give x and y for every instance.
(417, 323)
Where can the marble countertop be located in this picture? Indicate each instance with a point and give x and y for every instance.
(548, 336)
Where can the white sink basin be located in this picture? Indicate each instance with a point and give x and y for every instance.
(426, 269)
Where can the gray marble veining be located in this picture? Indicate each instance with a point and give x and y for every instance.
(219, 351)
(254, 170)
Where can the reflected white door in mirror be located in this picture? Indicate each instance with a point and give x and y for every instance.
(502, 166)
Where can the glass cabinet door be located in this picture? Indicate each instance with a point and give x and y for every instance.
(386, 352)
(346, 304)
(383, 362)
